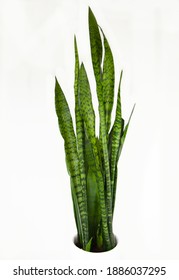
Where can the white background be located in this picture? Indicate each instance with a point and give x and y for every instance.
(36, 43)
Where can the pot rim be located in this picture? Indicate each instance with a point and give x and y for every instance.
(75, 239)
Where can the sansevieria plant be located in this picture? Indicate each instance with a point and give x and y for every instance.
(92, 161)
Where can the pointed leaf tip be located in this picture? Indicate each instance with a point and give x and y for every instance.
(56, 83)
(89, 9)
(82, 66)
(132, 111)
(75, 41)
(91, 16)
(88, 245)
(96, 46)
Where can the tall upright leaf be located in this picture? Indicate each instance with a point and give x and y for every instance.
(96, 54)
(94, 215)
(85, 103)
(115, 138)
(80, 133)
(88, 116)
(77, 214)
(67, 132)
(96, 45)
(122, 140)
(108, 82)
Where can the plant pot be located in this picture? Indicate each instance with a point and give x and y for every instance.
(76, 243)
(78, 253)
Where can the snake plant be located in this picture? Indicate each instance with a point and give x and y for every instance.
(92, 160)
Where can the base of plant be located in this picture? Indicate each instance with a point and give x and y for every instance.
(94, 248)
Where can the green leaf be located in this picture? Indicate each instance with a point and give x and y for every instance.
(76, 73)
(125, 132)
(64, 117)
(77, 214)
(108, 82)
(67, 131)
(102, 196)
(88, 245)
(96, 45)
(85, 103)
(79, 122)
(122, 139)
(96, 54)
(94, 215)
(93, 202)
(80, 133)
(114, 142)
(99, 239)
(87, 112)
(114, 146)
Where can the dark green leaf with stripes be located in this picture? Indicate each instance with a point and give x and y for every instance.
(67, 131)
(108, 82)
(114, 140)
(96, 45)
(85, 103)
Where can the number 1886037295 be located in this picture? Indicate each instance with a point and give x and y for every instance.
(140, 270)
